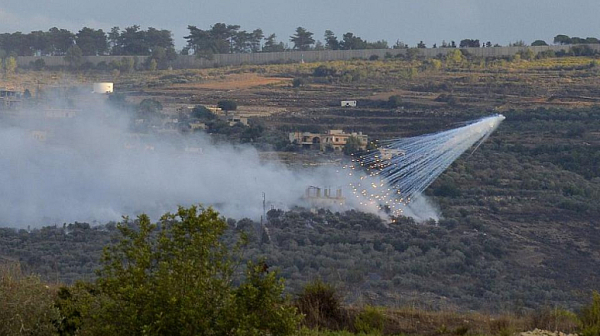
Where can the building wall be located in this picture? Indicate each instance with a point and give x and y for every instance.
(192, 62)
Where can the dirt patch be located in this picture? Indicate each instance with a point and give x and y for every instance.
(236, 82)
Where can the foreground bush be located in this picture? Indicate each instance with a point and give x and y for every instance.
(26, 304)
(320, 305)
(590, 317)
(369, 320)
(176, 278)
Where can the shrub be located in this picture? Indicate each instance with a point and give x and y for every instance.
(501, 327)
(26, 304)
(369, 320)
(554, 319)
(320, 305)
(590, 317)
(227, 105)
(324, 71)
(39, 64)
(395, 101)
(298, 82)
(203, 113)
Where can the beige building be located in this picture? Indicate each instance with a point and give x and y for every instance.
(335, 139)
(234, 119)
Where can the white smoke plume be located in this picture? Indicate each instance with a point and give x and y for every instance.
(90, 168)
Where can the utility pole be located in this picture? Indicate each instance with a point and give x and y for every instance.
(264, 215)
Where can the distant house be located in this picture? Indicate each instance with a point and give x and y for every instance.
(197, 126)
(348, 103)
(10, 99)
(60, 113)
(335, 139)
(315, 198)
(233, 119)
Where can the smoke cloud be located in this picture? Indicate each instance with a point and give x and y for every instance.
(91, 167)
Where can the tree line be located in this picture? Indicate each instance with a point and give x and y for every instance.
(220, 38)
(91, 42)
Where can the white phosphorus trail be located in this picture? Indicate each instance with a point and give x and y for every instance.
(401, 169)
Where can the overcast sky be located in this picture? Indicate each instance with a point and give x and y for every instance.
(409, 21)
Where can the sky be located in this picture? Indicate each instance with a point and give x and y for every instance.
(409, 21)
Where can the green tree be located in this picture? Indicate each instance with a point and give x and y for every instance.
(590, 317)
(203, 113)
(455, 58)
(303, 39)
(331, 41)
(395, 101)
(152, 65)
(298, 82)
(271, 44)
(149, 109)
(176, 277)
(61, 40)
(539, 43)
(352, 42)
(74, 57)
(127, 64)
(91, 41)
(469, 43)
(353, 145)
(227, 105)
(562, 39)
(10, 65)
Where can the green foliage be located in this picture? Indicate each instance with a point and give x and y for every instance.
(412, 54)
(538, 43)
(353, 145)
(501, 327)
(527, 54)
(369, 320)
(203, 113)
(302, 39)
(127, 64)
(10, 65)
(590, 317)
(320, 305)
(38, 65)
(258, 306)
(74, 57)
(149, 108)
(394, 101)
(152, 65)
(298, 82)
(455, 58)
(176, 277)
(324, 71)
(227, 105)
(91, 41)
(26, 303)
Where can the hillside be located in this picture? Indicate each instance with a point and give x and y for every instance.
(520, 224)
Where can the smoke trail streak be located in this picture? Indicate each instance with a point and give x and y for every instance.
(401, 169)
